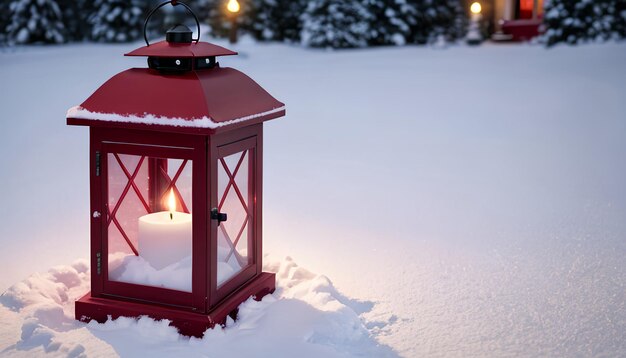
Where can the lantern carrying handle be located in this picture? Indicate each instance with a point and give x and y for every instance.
(174, 3)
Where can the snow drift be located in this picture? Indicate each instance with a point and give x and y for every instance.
(305, 317)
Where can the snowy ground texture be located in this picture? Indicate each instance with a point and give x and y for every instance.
(464, 202)
(305, 317)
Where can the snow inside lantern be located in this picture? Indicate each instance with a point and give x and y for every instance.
(175, 174)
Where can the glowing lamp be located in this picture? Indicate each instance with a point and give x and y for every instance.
(175, 184)
(233, 6)
(476, 8)
(474, 34)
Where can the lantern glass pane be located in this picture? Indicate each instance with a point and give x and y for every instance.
(149, 222)
(242, 179)
(222, 181)
(234, 234)
(183, 183)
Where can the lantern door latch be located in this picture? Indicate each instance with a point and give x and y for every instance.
(98, 164)
(98, 263)
(216, 215)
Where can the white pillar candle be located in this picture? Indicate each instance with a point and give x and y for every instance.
(164, 239)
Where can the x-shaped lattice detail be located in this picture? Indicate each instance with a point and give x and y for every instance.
(232, 184)
(171, 184)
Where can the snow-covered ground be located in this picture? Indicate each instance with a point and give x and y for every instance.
(463, 201)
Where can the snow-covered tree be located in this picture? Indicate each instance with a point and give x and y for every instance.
(75, 18)
(5, 18)
(336, 24)
(391, 21)
(156, 27)
(277, 20)
(201, 8)
(117, 21)
(619, 25)
(436, 19)
(216, 17)
(579, 21)
(35, 21)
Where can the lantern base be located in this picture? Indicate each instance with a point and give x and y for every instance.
(188, 323)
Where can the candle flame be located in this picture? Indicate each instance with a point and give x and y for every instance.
(171, 202)
(233, 6)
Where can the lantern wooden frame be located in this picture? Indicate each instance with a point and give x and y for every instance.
(207, 303)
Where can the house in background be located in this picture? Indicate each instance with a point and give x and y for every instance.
(511, 20)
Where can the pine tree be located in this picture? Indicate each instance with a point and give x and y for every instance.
(436, 19)
(5, 18)
(75, 18)
(35, 21)
(218, 18)
(391, 21)
(117, 21)
(214, 14)
(336, 24)
(201, 8)
(277, 20)
(574, 22)
(156, 27)
(619, 25)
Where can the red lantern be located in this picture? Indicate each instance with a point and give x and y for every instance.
(176, 178)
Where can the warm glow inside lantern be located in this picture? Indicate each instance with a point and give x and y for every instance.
(176, 165)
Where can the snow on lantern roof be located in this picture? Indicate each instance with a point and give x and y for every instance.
(182, 50)
(195, 101)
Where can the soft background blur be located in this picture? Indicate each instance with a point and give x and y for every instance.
(321, 23)
(472, 197)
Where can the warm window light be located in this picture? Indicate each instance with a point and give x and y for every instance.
(233, 6)
(171, 203)
(476, 8)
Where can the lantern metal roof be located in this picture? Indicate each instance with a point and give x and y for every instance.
(169, 49)
(201, 98)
